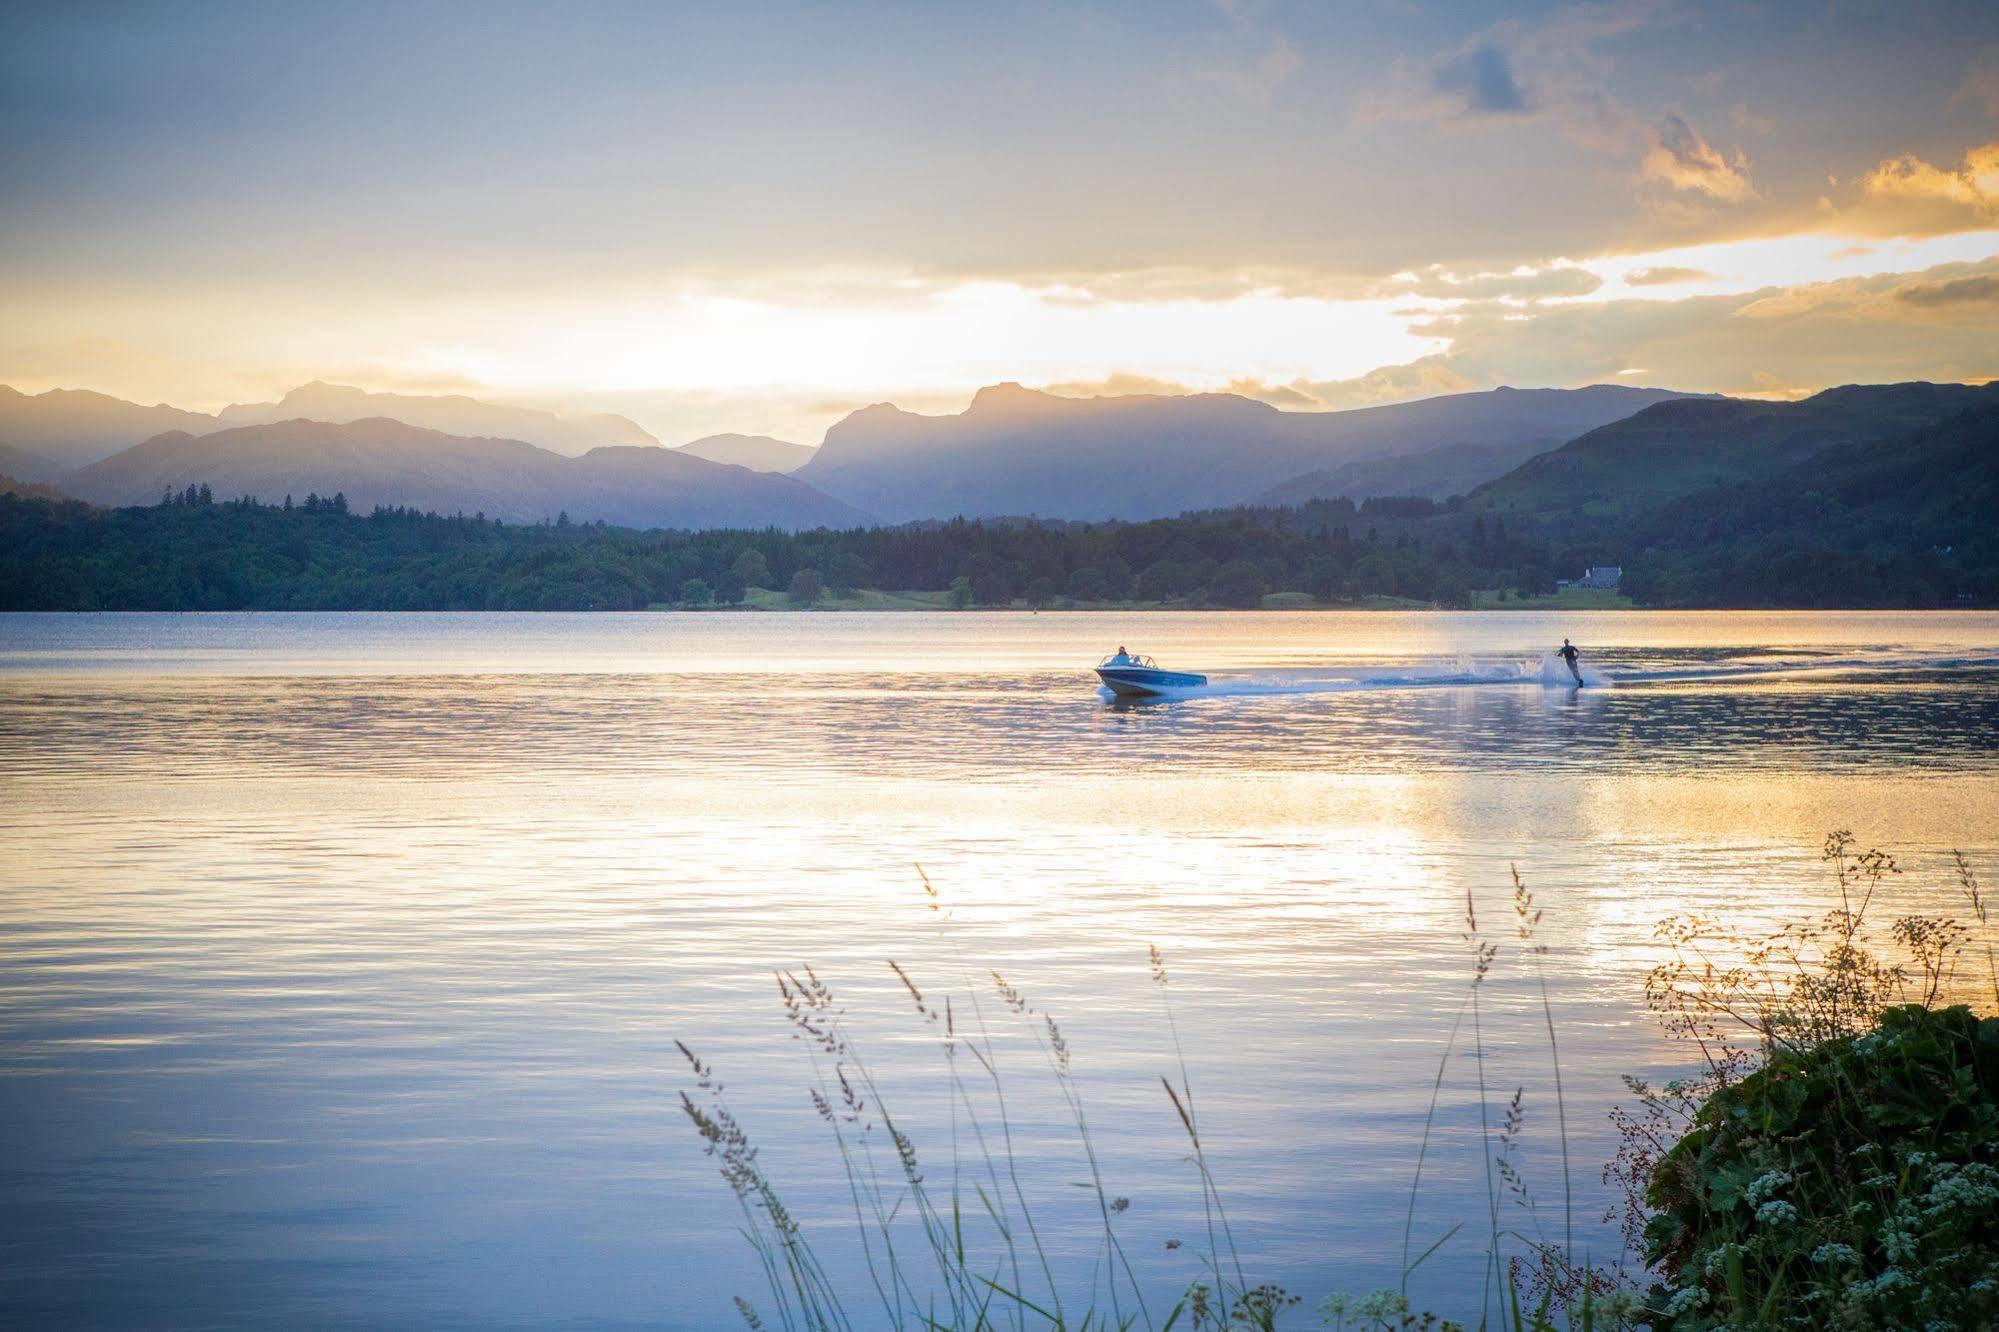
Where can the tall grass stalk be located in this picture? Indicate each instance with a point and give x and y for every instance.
(1527, 918)
(1483, 954)
(1183, 1104)
(982, 1050)
(1423, 1144)
(966, 1271)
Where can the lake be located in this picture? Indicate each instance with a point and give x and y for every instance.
(342, 957)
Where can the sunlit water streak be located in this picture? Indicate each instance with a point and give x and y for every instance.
(341, 956)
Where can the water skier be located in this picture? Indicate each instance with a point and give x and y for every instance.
(1569, 655)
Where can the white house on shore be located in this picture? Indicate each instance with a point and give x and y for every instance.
(1596, 578)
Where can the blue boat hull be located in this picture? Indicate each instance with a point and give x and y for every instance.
(1141, 682)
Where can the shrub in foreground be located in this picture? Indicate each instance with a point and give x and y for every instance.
(1852, 1183)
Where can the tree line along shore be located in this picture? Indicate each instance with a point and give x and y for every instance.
(196, 551)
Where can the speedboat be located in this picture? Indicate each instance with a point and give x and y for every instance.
(1131, 676)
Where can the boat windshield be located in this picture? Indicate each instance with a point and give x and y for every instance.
(1129, 659)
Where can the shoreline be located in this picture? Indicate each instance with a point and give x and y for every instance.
(872, 601)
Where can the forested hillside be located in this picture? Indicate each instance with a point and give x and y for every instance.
(197, 553)
(1905, 521)
(1911, 521)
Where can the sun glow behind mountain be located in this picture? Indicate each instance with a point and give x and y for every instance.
(677, 215)
(949, 338)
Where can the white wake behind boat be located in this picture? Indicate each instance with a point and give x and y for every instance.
(1131, 676)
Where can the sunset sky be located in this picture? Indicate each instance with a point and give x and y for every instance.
(757, 217)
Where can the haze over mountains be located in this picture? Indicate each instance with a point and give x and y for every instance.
(1578, 454)
(1016, 451)
(71, 427)
(453, 414)
(1878, 495)
(377, 461)
(759, 453)
(1012, 452)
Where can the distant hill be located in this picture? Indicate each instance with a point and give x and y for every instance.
(64, 429)
(1678, 448)
(1854, 525)
(380, 461)
(759, 453)
(1434, 473)
(28, 489)
(27, 465)
(452, 414)
(69, 428)
(1016, 451)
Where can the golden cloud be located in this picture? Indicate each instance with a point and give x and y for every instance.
(1665, 275)
(1908, 195)
(1682, 159)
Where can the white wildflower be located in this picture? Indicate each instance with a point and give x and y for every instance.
(1899, 1244)
(1974, 1187)
(1834, 1253)
(1776, 1212)
(1618, 1307)
(1765, 1186)
(1380, 1305)
(1686, 1301)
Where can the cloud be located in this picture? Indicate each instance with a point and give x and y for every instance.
(1277, 395)
(1125, 384)
(1256, 68)
(1681, 159)
(1909, 196)
(1514, 72)
(1525, 283)
(1257, 80)
(1424, 378)
(1937, 323)
(1664, 276)
(1483, 78)
(1957, 291)
(393, 379)
(1118, 384)
(1981, 82)
(1932, 324)
(1748, 121)
(1552, 72)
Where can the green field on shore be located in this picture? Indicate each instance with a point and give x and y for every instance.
(913, 599)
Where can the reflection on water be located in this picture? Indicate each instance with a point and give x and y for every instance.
(341, 957)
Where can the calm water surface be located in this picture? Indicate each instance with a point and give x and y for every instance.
(342, 956)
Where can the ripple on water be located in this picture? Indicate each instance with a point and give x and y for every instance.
(341, 958)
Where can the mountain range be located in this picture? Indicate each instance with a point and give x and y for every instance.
(1580, 457)
(67, 428)
(452, 414)
(1015, 451)
(1870, 496)
(377, 461)
(759, 453)
(1012, 452)
(1690, 446)
(64, 429)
